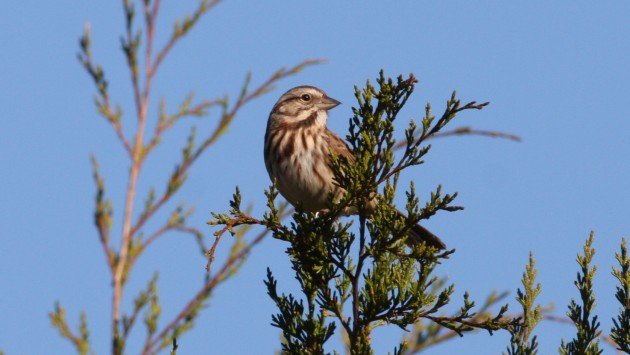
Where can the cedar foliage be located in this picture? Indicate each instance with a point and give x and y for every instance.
(370, 276)
(361, 272)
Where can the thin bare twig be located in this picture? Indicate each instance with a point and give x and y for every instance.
(150, 346)
(564, 320)
(473, 323)
(221, 127)
(121, 260)
(130, 48)
(67, 332)
(482, 314)
(246, 97)
(204, 6)
(157, 234)
(241, 220)
(466, 131)
(97, 74)
(167, 123)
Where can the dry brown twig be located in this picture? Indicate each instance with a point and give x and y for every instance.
(417, 343)
(143, 67)
(155, 344)
(564, 320)
(438, 338)
(467, 131)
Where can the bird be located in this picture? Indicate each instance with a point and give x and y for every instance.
(297, 150)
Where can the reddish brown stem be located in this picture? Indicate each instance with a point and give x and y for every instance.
(152, 345)
(121, 135)
(226, 118)
(141, 102)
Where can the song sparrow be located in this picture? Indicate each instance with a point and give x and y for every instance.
(297, 153)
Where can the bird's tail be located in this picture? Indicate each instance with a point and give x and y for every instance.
(420, 234)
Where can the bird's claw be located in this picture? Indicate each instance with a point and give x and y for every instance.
(321, 213)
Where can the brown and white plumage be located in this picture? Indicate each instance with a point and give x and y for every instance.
(297, 151)
(296, 143)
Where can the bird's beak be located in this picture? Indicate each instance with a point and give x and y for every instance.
(328, 103)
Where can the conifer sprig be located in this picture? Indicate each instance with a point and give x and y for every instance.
(620, 332)
(521, 341)
(586, 340)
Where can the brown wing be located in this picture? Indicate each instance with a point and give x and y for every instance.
(338, 145)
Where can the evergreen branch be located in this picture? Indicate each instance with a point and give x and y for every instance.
(585, 341)
(334, 305)
(358, 335)
(385, 281)
(532, 314)
(620, 331)
(453, 107)
(294, 319)
(413, 154)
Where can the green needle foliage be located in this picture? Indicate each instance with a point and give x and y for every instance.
(520, 342)
(374, 276)
(357, 279)
(586, 341)
(620, 332)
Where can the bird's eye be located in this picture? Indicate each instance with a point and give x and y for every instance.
(306, 97)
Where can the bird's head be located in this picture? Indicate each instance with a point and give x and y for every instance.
(302, 103)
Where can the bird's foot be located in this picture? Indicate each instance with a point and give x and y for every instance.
(322, 212)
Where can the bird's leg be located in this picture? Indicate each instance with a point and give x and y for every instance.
(321, 212)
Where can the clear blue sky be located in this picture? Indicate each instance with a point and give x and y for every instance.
(557, 74)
